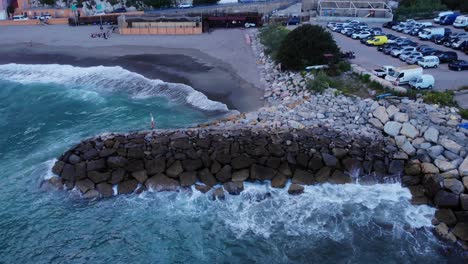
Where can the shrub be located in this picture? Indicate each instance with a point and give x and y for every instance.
(305, 46)
(443, 98)
(320, 83)
(343, 66)
(463, 113)
(271, 37)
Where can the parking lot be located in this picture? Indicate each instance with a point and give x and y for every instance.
(370, 58)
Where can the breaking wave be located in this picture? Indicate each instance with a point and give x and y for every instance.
(108, 79)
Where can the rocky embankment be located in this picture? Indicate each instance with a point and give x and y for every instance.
(298, 136)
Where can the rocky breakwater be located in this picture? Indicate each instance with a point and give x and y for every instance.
(217, 161)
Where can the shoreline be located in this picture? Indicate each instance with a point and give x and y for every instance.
(216, 78)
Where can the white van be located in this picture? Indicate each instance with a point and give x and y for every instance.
(402, 75)
(20, 17)
(442, 14)
(427, 33)
(429, 62)
(461, 22)
(425, 81)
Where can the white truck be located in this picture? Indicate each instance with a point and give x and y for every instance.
(402, 75)
(461, 22)
(427, 33)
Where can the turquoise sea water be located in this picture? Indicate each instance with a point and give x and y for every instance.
(46, 109)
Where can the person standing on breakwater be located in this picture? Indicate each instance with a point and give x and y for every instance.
(152, 121)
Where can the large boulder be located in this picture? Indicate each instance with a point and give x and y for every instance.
(338, 177)
(279, 181)
(99, 164)
(240, 175)
(140, 176)
(429, 168)
(445, 199)
(392, 128)
(454, 185)
(98, 177)
(117, 176)
(261, 173)
(175, 169)
(207, 178)
(218, 194)
(202, 188)
(188, 178)
(234, 188)
(84, 185)
(155, 166)
(192, 165)
(127, 187)
(446, 216)
(435, 151)
(161, 182)
(464, 201)
(303, 177)
(463, 169)
(241, 162)
(433, 183)
(58, 167)
(450, 145)
(329, 160)
(401, 117)
(116, 162)
(461, 231)
(442, 231)
(409, 130)
(431, 135)
(295, 189)
(444, 165)
(381, 114)
(68, 172)
(224, 174)
(105, 189)
(322, 175)
(408, 148)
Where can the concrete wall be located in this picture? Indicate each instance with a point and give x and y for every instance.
(161, 31)
(52, 21)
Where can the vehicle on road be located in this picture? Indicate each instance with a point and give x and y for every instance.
(383, 71)
(377, 40)
(458, 65)
(461, 22)
(427, 33)
(446, 56)
(403, 75)
(429, 62)
(360, 35)
(449, 19)
(425, 81)
(20, 17)
(441, 15)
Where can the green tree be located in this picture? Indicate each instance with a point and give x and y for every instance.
(305, 46)
(271, 37)
(205, 2)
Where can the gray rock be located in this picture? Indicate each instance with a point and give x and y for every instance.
(74, 159)
(116, 162)
(322, 175)
(450, 174)
(161, 182)
(234, 188)
(410, 180)
(175, 169)
(435, 151)
(461, 231)
(84, 185)
(58, 167)
(218, 194)
(338, 177)
(401, 117)
(191, 164)
(202, 188)
(155, 166)
(392, 110)
(91, 194)
(127, 187)
(429, 168)
(279, 181)
(463, 168)
(392, 128)
(381, 114)
(106, 153)
(99, 164)
(445, 199)
(408, 148)
(396, 167)
(446, 216)
(80, 171)
(240, 175)
(68, 172)
(464, 201)
(431, 135)
(261, 173)
(241, 162)
(105, 189)
(303, 177)
(188, 178)
(442, 231)
(140, 176)
(224, 174)
(295, 189)
(90, 154)
(454, 185)
(375, 122)
(98, 177)
(450, 145)
(207, 178)
(329, 160)
(444, 165)
(409, 130)
(465, 182)
(413, 169)
(296, 125)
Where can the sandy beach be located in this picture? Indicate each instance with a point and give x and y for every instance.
(220, 64)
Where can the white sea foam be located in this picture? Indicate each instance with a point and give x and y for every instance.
(104, 79)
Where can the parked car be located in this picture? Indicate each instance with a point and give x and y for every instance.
(360, 35)
(427, 33)
(406, 55)
(364, 40)
(398, 52)
(459, 44)
(422, 47)
(440, 15)
(403, 75)
(429, 62)
(425, 81)
(20, 17)
(294, 21)
(381, 48)
(446, 56)
(388, 51)
(119, 10)
(185, 5)
(428, 51)
(458, 65)
(377, 40)
(389, 24)
(413, 59)
(440, 39)
(461, 22)
(383, 71)
(449, 19)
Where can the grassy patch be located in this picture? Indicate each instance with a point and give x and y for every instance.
(442, 98)
(463, 113)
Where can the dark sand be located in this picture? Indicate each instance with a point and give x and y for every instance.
(216, 79)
